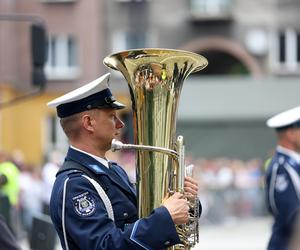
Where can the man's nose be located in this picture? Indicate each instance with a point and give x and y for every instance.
(119, 123)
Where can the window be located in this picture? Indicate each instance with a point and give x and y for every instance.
(210, 7)
(298, 47)
(126, 1)
(123, 40)
(55, 138)
(62, 58)
(282, 47)
(286, 51)
(58, 1)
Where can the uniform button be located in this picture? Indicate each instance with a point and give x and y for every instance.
(167, 243)
(125, 215)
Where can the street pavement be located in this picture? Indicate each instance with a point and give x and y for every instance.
(235, 234)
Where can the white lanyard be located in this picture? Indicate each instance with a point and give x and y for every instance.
(102, 195)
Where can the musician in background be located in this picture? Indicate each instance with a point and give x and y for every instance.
(283, 178)
(93, 204)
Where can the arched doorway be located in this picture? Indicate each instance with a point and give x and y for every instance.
(225, 56)
(217, 133)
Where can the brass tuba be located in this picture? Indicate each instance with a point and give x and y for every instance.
(155, 78)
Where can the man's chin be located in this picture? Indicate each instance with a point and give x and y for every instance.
(117, 137)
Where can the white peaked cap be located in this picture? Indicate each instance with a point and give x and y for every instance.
(93, 87)
(95, 94)
(285, 119)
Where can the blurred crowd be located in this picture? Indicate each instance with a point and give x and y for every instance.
(26, 192)
(228, 188)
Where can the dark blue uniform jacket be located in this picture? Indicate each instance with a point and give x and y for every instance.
(283, 190)
(87, 223)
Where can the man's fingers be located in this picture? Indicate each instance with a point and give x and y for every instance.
(191, 180)
(190, 191)
(191, 187)
(177, 195)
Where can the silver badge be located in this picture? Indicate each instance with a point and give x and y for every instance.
(281, 183)
(84, 204)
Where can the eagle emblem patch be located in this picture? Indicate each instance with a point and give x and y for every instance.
(281, 183)
(84, 204)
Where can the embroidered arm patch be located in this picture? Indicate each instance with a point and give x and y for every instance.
(281, 183)
(84, 204)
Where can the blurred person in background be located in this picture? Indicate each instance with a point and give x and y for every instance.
(49, 171)
(31, 193)
(18, 158)
(9, 186)
(7, 239)
(283, 178)
(93, 204)
(9, 178)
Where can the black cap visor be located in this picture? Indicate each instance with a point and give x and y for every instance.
(103, 99)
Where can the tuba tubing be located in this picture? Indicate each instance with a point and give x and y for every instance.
(118, 145)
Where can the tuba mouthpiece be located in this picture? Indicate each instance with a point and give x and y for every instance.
(116, 145)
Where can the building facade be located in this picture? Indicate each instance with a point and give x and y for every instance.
(76, 45)
(253, 49)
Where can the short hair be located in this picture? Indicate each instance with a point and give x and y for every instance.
(71, 125)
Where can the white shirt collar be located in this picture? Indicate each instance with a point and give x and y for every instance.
(97, 158)
(290, 153)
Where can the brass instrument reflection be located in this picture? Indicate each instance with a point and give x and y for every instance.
(155, 78)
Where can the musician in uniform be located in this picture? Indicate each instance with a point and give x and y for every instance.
(283, 178)
(93, 205)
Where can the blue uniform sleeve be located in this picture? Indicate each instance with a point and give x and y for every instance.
(88, 226)
(286, 199)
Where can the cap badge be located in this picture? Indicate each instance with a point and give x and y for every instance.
(110, 99)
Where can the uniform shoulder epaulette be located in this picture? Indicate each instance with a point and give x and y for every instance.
(72, 173)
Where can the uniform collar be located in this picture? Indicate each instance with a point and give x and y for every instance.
(97, 158)
(294, 155)
(114, 172)
(86, 160)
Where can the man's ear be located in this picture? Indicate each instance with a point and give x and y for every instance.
(88, 122)
(290, 134)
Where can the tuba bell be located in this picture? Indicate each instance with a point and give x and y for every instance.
(155, 78)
